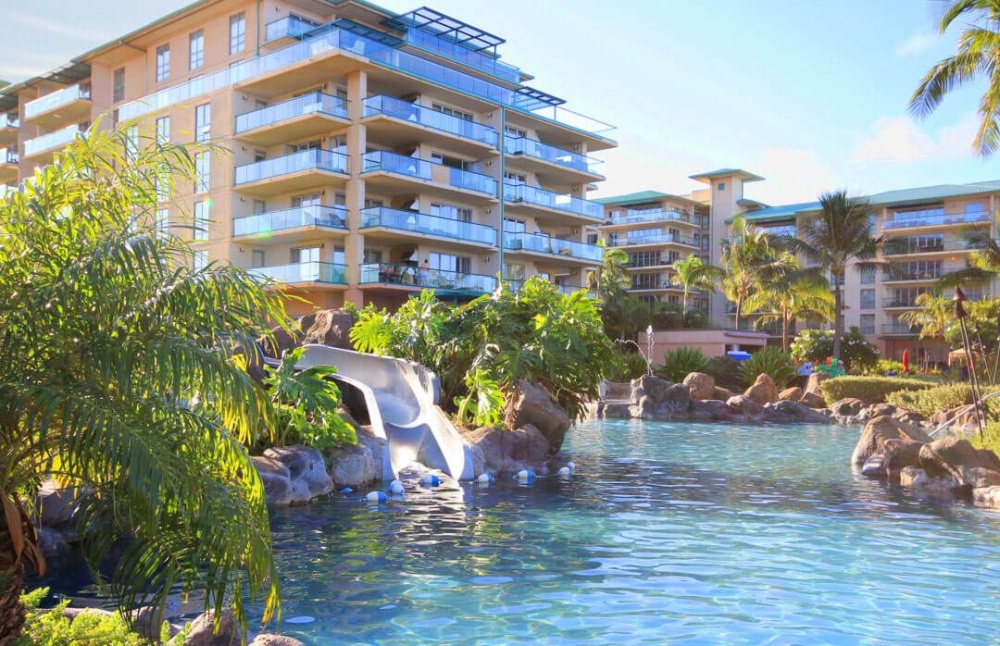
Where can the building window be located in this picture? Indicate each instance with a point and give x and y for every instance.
(118, 85)
(162, 63)
(201, 220)
(448, 262)
(721, 186)
(132, 143)
(257, 256)
(200, 260)
(163, 131)
(868, 276)
(867, 299)
(203, 122)
(443, 109)
(162, 222)
(162, 190)
(372, 256)
(202, 172)
(237, 33)
(196, 51)
(868, 324)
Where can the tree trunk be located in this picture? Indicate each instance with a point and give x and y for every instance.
(11, 586)
(785, 322)
(838, 319)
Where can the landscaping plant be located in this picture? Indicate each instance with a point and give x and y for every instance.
(679, 362)
(769, 361)
(871, 390)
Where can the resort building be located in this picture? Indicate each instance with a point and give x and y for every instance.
(920, 228)
(368, 154)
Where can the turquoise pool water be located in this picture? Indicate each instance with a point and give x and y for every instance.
(667, 533)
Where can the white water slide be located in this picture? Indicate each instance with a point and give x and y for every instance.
(402, 399)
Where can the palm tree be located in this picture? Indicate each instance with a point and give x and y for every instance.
(693, 273)
(984, 261)
(792, 295)
(978, 50)
(121, 375)
(611, 279)
(748, 259)
(838, 237)
(935, 312)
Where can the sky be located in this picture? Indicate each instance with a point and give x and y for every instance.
(810, 94)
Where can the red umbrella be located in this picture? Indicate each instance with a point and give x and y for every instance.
(906, 360)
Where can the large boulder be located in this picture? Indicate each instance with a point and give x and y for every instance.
(701, 385)
(847, 407)
(277, 480)
(952, 456)
(496, 450)
(306, 470)
(899, 453)
(201, 631)
(792, 394)
(722, 394)
(668, 403)
(787, 412)
(56, 505)
(709, 410)
(650, 386)
(267, 639)
(813, 384)
(355, 465)
(877, 431)
(988, 497)
(763, 391)
(743, 409)
(812, 400)
(533, 406)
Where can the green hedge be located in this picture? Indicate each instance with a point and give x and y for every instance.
(945, 397)
(871, 390)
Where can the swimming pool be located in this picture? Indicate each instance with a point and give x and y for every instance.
(680, 533)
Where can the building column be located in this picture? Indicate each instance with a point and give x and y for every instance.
(357, 143)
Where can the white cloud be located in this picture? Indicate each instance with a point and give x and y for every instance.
(901, 140)
(917, 44)
(58, 28)
(794, 175)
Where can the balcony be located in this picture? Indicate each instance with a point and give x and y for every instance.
(900, 329)
(68, 105)
(394, 174)
(302, 170)
(406, 277)
(905, 247)
(287, 30)
(552, 165)
(394, 122)
(551, 207)
(305, 272)
(399, 224)
(934, 218)
(456, 53)
(52, 142)
(300, 118)
(656, 239)
(10, 126)
(665, 215)
(562, 249)
(315, 216)
(320, 57)
(898, 302)
(8, 166)
(914, 276)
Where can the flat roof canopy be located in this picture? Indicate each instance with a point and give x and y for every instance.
(439, 24)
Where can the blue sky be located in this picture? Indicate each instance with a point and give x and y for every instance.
(811, 94)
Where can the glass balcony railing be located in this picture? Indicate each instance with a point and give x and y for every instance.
(931, 273)
(548, 199)
(472, 181)
(903, 246)
(44, 104)
(898, 301)
(421, 223)
(313, 103)
(312, 159)
(389, 273)
(660, 238)
(9, 120)
(399, 109)
(672, 215)
(933, 218)
(305, 272)
(334, 217)
(516, 285)
(288, 27)
(900, 328)
(383, 160)
(53, 140)
(462, 55)
(381, 53)
(551, 154)
(8, 156)
(552, 246)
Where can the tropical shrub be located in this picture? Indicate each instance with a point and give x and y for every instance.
(857, 354)
(495, 341)
(884, 366)
(120, 371)
(306, 405)
(726, 372)
(770, 361)
(871, 390)
(812, 345)
(630, 365)
(679, 362)
(938, 398)
(990, 438)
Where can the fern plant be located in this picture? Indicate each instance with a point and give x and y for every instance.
(769, 361)
(680, 362)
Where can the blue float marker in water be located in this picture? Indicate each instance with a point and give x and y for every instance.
(485, 478)
(396, 488)
(346, 490)
(525, 475)
(564, 472)
(377, 497)
(304, 619)
(430, 480)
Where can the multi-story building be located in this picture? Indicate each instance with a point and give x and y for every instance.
(359, 154)
(920, 229)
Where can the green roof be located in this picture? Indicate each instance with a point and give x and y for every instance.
(782, 212)
(642, 197)
(746, 176)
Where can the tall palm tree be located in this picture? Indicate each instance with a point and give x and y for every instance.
(935, 312)
(611, 279)
(693, 273)
(120, 375)
(984, 261)
(791, 295)
(748, 259)
(838, 237)
(978, 51)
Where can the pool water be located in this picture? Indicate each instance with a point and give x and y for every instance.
(666, 533)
